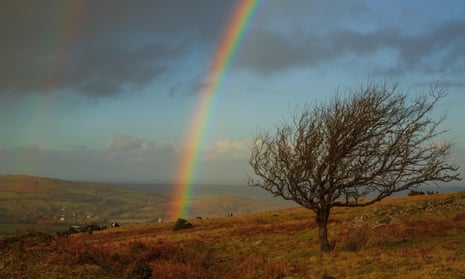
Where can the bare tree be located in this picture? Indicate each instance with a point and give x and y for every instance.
(375, 142)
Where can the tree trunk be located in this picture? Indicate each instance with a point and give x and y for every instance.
(322, 216)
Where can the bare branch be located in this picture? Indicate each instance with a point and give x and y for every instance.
(374, 142)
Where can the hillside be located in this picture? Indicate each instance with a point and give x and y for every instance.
(223, 205)
(47, 203)
(29, 200)
(409, 237)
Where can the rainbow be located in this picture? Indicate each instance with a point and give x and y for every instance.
(222, 58)
(67, 23)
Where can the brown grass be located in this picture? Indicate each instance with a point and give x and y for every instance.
(277, 244)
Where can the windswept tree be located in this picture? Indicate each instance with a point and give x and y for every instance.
(374, 143)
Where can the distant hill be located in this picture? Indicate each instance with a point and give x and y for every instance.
(38, 200)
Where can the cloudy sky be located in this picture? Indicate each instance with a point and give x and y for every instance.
(105, 90)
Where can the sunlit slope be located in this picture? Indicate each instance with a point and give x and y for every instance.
(411, 237)
(36, 199)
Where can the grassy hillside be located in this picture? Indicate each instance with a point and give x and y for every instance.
(51, 204)
(37, 200)
(411, 237)
(222, 205)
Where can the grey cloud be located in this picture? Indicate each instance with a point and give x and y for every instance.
(124, 143)
(187, 87)
(103, 48)
(269, 52)
(448, 39)
(125, 158)
(98, 48)
(446, 83)
(138, 162)
(317, 15)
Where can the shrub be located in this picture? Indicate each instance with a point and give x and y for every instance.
(76, 229)
(416, 193)
(139, 270)
(182, 224)
(91, 228)
(6, 242)
(357, 240)
(31, 237)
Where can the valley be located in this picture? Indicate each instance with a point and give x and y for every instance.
(38, 202)
(401, 237)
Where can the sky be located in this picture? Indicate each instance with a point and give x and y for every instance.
(106, 90)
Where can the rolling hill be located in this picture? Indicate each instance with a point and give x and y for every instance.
(27, 201)
(408, 237)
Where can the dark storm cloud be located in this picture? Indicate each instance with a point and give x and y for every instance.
(187, 87)
(439, 50)
(98, 48)
(102, 48)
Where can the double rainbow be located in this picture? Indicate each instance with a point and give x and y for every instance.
(222, 58)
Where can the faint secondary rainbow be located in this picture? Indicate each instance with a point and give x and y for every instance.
(222, 58)
(48, 77)
(67, 21)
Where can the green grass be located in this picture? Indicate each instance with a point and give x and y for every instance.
(6, 195)
(26, 199)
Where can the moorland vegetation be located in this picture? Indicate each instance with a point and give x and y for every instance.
(30, 202)
(407, 237)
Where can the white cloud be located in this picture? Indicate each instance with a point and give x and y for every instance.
(227, 149)
(122, 143)
(127, 159)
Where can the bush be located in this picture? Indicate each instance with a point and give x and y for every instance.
(91, 228)
(140, 270)
(357, 240)
(416, 193)
(182, 224)
(76, 229)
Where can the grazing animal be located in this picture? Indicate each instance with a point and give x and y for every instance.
(114, 225)
(160, 220)
(199, 218)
